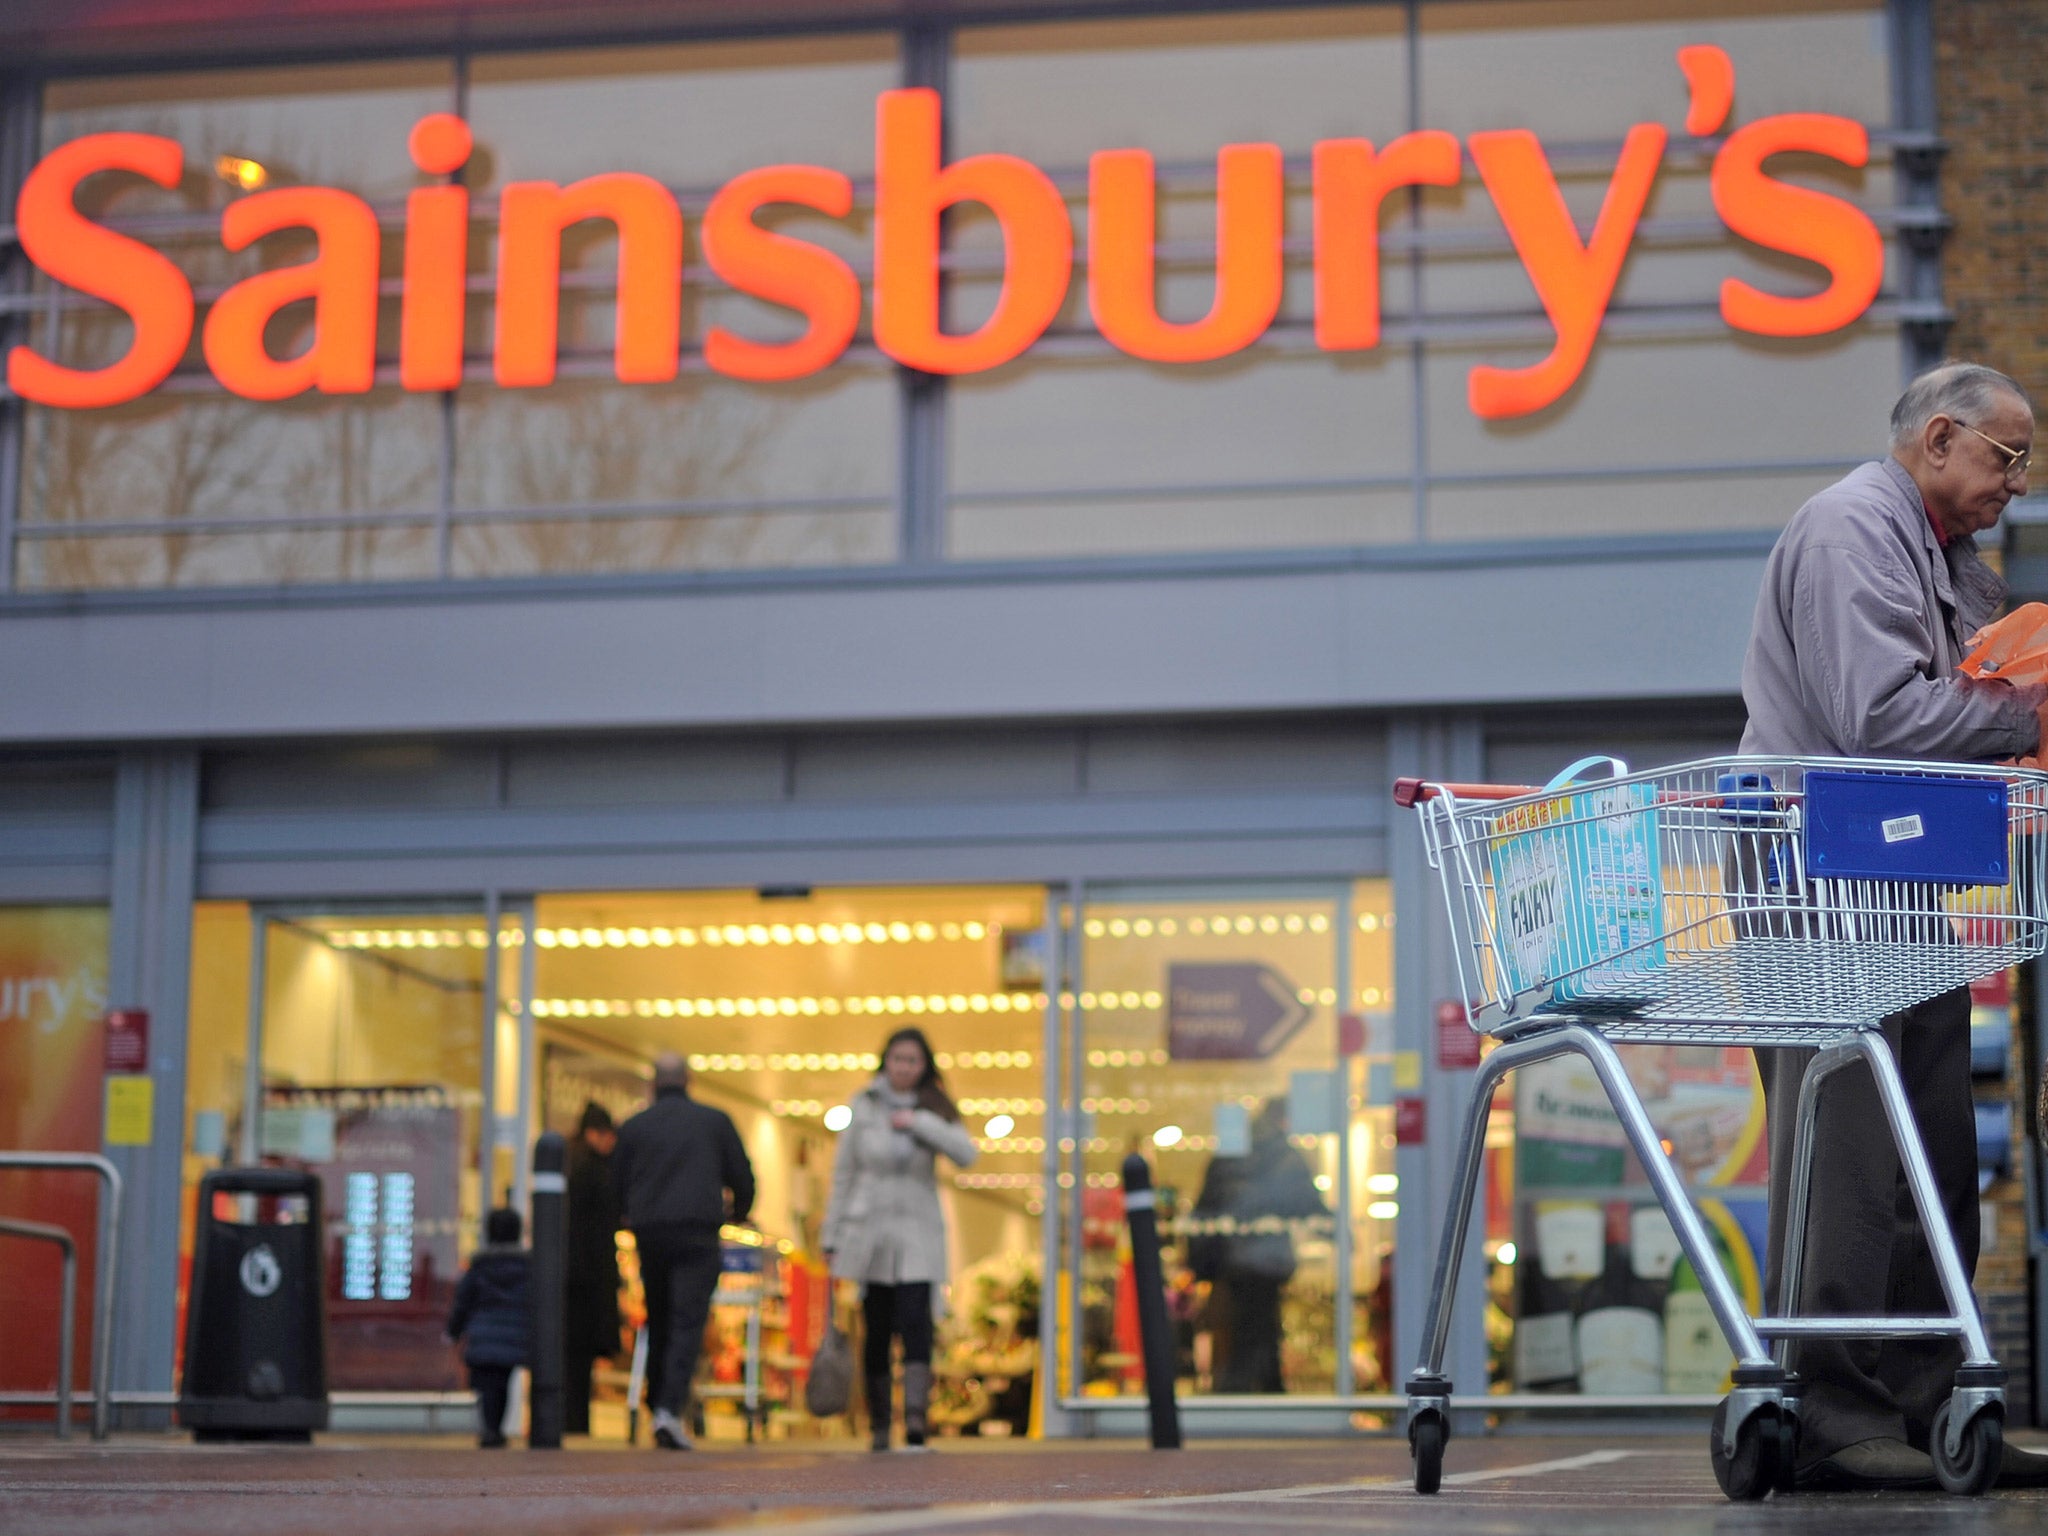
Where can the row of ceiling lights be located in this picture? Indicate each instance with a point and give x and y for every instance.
(711, 935)
(740, 935)
(1221, 923)
(913, 1004)
(946, 1061)
(917, 1004)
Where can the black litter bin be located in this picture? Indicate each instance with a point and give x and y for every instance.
(256, 1317)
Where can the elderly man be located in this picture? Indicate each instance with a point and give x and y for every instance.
(1867, 602)
(675, 1165)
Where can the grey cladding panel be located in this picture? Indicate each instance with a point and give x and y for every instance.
(60, 784)
(1246, 755)
(584, 770)
(1521, 755)
(384, 776)
(967, 764)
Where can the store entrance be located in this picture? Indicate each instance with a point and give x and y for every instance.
(781, 1003)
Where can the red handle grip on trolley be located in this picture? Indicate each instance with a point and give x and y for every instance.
(1409, 793)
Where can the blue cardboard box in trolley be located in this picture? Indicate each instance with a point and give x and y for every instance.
(1579, 893)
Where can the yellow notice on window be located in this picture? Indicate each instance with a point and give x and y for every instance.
(1407, 1071)
(131, 1107)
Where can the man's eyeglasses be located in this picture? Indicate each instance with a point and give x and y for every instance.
(2019, 462)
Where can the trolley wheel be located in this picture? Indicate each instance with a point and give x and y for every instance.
(1787, 1480)
(1426, 1444)
(1974, 1469)
(1752, 1469)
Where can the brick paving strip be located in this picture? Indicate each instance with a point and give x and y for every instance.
(1583, 1485)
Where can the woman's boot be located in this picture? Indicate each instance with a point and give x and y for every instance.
(878, 1409)
(917, 1398)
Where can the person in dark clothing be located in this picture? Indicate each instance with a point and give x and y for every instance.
(492, 1321)
(590, 1330)
(1249, 1269)
(676, 1164)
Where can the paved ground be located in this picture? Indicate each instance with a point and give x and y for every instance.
(1579, 1486)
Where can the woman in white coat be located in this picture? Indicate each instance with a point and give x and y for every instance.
(884, 1228)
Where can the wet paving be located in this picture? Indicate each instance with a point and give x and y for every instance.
(1510, 1484)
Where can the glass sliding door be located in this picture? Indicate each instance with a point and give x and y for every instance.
(384, 1036)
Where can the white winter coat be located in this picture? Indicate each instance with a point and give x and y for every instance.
(884, 1223)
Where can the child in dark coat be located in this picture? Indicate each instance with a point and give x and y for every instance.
(493, 1320)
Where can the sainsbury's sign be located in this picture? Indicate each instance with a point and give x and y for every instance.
(914, 185)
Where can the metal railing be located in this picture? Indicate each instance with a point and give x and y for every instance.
(103, 1266)
(36, 1231)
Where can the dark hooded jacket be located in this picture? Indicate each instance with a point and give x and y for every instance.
(591, 1283)
(492, 1315)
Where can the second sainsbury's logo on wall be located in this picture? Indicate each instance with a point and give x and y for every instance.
(1574, 275)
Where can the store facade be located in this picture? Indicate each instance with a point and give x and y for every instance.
(862, 556)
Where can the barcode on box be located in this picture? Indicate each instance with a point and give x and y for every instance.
(1903, 829)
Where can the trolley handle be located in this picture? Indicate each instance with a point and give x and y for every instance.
(1409, 793)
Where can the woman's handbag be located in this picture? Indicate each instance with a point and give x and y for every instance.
(829, 1387)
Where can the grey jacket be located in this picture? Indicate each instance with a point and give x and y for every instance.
(1861, 621)
(884, 1223)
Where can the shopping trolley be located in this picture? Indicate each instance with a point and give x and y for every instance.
(1741, 901)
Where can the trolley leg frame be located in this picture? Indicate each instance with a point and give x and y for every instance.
(1761, 1382)
(1762, 1379)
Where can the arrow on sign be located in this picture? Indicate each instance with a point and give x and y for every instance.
(1229, 1012)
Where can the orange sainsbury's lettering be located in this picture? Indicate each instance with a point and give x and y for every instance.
(912, 189)
(1351, 182)
(782, 270)
(532, 216)
(436, 258)
(1575, 278)
(1250, 191)
(1798, 221)
(341, 281)
(71, 249)
(1574, 281)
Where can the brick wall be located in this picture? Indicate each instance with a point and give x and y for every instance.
(1991, 83)
(1991, 80)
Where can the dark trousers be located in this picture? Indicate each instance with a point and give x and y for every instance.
(493, 1386)
(896, 1311)
(1865, 1252)
(577, 1363)
(1245, 1330)
(679, 1270)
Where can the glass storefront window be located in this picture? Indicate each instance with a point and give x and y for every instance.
(371, 1074)
(706, 473)
(171, 466)
(767, 475)
(1669, 387)
(1207, 1040)
(53, 999)
(1099, 454)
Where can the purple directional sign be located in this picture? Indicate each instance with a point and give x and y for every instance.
(1236, 1011)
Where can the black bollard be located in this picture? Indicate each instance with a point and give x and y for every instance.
(1157, 1332)
(550, 1278)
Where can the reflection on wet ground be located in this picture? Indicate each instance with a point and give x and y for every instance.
(1502, 1486)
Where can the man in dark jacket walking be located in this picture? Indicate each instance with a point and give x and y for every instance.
(491, 1319)
(676, 1163)
(590, 1330)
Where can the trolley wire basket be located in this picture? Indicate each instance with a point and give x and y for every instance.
(1752, 894)
(1747, 901)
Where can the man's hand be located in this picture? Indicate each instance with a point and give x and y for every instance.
(2035, 697)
